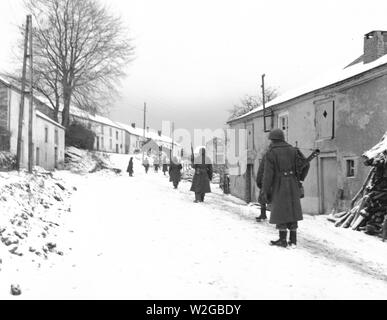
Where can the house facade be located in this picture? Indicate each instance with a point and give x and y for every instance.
(133, 137)
(109, 136)
(342, 114)
(48, 135)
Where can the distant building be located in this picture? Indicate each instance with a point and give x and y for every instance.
(343, 115)
(110, 136)
(133, 137)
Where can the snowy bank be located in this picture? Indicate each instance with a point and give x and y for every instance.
(31, 206)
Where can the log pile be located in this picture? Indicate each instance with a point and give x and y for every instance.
(368, 211)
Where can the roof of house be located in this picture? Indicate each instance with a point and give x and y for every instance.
(135, 131)
(319, 83)
(74, 111)
(43, 116)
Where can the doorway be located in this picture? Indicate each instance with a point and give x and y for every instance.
(249, 181)
(56, 158)
(328, 183)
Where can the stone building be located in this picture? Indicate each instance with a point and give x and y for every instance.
(342, 114)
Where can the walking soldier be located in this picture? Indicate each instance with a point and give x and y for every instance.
(202, 176)
(175, 172)
(130, 167)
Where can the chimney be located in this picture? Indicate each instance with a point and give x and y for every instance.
(159, 132)
(375, 45)
(133, 125)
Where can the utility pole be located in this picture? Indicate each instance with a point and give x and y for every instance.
(31, 113)
(23, 89)
(264, 102)
(144, 131)
(173, 130)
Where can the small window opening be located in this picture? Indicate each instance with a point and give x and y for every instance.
(350, 168)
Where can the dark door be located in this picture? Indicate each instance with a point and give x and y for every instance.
(56, 158)
(249, 175)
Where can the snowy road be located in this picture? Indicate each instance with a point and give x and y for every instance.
(138, 238)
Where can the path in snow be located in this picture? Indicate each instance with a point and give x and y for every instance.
(138, 238)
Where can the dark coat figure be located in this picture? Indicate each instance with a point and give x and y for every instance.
(280, 187)
(146, 165)
(259, 185)
(175, 173)
(130, 167)
(165, 165)
(156, 164)
(202, 176)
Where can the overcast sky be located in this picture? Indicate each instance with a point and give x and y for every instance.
(196, 58)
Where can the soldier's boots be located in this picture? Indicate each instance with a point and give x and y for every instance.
(261, 217)
(293, 239)
(281, 242)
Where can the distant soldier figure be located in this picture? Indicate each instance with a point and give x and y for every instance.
(145, 163)
(165, 165)
(156, 164)
(202, 176)
(130, 167)
(261, 167)
(175, 172)
(280, 187)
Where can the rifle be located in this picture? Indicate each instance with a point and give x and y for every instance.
(303, 170)
(192, 155)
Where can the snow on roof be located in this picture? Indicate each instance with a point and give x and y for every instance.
(135, 131)
(74, 111)
(160, 139)
(321, 82)
(43, 116)
(377, 151)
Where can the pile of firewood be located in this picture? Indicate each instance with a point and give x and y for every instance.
(368, 211)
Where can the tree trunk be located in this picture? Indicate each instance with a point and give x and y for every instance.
(66, 107)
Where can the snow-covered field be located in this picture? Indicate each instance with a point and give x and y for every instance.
(138, 238)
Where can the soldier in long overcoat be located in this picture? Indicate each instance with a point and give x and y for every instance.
(145, 163)
(175, 172)
(202, 176)
(165, 165)
(130, 167)
(156, 163)
(280, 187)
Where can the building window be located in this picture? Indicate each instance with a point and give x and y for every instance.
(111, 132)
(45, 134)
(111, 144)
(325, 120)
(102, 143)
(283, 124)
(116, 135)
(56, 138)
(350, 168)
(250, 137)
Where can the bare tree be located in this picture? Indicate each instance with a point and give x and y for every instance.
(80, 53)
(249, 102)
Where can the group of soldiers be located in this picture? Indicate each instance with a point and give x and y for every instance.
(173, 168)
(279, 177)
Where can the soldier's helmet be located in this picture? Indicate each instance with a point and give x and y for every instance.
(277, 134)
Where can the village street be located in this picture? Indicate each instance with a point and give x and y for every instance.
(138, 238)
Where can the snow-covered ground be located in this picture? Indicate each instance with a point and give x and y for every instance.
(138, 238)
